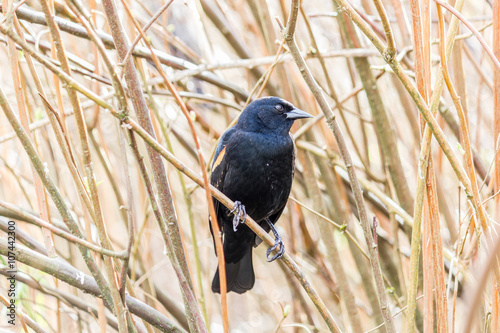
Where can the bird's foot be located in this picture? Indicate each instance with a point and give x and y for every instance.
(277, 242)
(281, 250)
(240, 214)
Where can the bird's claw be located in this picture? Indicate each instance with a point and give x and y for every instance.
(240, 214)
(279, 253)
(277, 242)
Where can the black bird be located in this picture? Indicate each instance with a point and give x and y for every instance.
(253, 166)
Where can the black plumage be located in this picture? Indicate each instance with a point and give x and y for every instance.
(253, 166)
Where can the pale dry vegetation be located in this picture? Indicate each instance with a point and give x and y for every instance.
(392, 224)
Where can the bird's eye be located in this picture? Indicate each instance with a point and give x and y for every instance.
(279, 108)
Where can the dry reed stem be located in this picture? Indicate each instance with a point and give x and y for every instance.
(288, 34)
(20, 98)
(213, 217)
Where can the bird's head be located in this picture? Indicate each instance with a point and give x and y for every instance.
(270, 114)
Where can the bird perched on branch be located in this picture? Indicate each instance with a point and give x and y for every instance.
(253, 166)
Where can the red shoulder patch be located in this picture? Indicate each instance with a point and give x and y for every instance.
(218, 161)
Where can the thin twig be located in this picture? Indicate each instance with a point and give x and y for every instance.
(146, 27)
(473, 30)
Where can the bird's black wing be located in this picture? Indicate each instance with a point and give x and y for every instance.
(219, 169)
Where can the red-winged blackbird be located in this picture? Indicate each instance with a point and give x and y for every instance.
(253, 166)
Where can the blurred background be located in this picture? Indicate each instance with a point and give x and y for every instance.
(99, 178)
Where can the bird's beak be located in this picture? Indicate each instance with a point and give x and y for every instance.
(297, 114)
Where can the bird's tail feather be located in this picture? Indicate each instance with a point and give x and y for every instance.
(239, 276)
